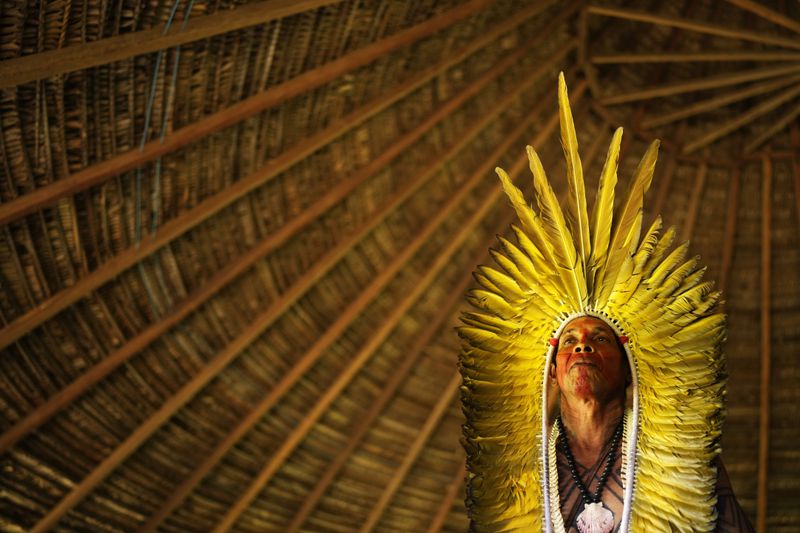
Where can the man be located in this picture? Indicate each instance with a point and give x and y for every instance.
(623, 329)
(592, 374)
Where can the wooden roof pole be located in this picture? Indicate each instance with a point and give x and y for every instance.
(42, 413)
(665, 180)
(438, 411)
(691, 25)
(232, 115)
(742, 119)
(333, 469)
(266, 474)
(188, 485)
(734, 192)
(778, 126)
(449, 497)
(711, 82)
(186, 221)
(688, 57)
(216, 365)
(766, 343)
(794, 132)
(449, 309)
(694, 202)
(766, 13)
(81, 56)
(716, 102)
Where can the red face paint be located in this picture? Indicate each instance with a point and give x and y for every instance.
(589, 362)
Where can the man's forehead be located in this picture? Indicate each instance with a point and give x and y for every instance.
(587, 322)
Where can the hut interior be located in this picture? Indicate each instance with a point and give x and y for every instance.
(237, 237)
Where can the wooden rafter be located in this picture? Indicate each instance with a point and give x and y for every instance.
(695, 26)
(189, 219)
(230, 116)
(729, 240)
(244, 262)
(778, 126)
(202, 470)
(690, 57)
(447, 502)
(766, 344)
(92, 54)
(719, 101)
(694, 201)
(711, 82)
(768, 14)
(667, 175)
(743, 119)
(445, 400)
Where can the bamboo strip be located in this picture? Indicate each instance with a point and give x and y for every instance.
(42, 413)
(766, 344)
(742, 119)
(333, 469)
(181, 492)
(711, 82)
(766, 13)
(119, 47)
(695, 26)
(689, 57)
(447, 502)
(718, 101)
(694, 201)
(266, 474)
(425, 431)
(189, 219)
(777, 127)
(100, 172)
(730, 227)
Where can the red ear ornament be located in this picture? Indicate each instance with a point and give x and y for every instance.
(553, 342)
(623, 339)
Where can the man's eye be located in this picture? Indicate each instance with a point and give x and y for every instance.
(568, 340)
(602, 339)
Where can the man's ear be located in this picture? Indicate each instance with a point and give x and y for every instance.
(552, 371)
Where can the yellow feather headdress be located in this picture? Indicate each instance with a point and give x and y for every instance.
(565, 265)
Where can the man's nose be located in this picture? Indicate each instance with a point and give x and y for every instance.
(583, 348)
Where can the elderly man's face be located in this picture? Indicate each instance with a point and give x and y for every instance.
(589, 362)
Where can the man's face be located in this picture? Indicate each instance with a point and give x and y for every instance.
(589, 361)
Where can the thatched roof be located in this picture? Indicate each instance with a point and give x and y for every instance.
(236, 238)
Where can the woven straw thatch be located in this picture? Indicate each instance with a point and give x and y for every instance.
(236, 236)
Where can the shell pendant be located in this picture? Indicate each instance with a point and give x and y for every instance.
(595, 519)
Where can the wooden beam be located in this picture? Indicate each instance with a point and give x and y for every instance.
(729, 241)
(794, 133)
(695, 26)
(743, 119)
(665, 181)
(716, 102)
(711, 82)
(768, 14)
(119, 47)
(64, 397)
(178, 495)
(272, 466)
(690, 57)
(766, 344)
(448, 309)
(694, 202)
(189, 219)
(778, 126)
(314, 496)
(230, 116)
(449, 497)
(438, 411)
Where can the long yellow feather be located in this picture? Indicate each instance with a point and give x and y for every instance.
(576, 214)
(603, 212)
(557, 234)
